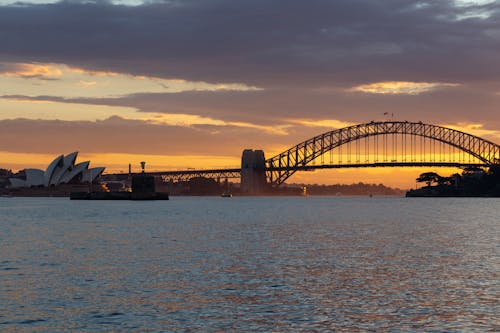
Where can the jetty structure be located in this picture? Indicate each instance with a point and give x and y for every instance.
(143, 188)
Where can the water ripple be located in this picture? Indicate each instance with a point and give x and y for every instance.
(250, 265)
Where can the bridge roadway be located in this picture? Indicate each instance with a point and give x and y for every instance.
(185, 175)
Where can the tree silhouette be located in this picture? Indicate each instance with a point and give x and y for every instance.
(429, 178)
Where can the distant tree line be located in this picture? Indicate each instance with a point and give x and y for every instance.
(472, 181)
(352, 189)
(207, 186)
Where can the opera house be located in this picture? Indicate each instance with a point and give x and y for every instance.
(62, 170)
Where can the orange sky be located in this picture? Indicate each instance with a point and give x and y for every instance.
(126, 134)
(403, 178)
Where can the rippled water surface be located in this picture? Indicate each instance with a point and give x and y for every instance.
(314, 264)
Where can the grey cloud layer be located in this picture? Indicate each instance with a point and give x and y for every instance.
(261, 42)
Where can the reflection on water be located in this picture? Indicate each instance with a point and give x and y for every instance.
(250, 265)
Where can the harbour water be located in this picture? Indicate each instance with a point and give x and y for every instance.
(245, 264)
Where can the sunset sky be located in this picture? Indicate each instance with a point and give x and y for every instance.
(191, 83)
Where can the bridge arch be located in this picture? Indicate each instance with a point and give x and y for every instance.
(285, 164)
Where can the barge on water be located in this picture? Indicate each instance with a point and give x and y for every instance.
(143, 188)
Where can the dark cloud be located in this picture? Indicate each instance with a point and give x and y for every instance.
(266, 43)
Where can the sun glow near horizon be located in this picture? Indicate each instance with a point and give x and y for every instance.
(397, 177)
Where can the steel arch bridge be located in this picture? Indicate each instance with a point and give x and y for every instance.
(417, 143)
(380, 143)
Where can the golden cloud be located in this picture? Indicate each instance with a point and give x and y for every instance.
(34, 70)
(474, 129)
(87, 83)
(401, 87)
(179, 119)
(75, 82)
(329, 123)
(51, 110)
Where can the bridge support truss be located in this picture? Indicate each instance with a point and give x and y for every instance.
(185, 175)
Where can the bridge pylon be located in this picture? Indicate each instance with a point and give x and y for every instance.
(253, 172)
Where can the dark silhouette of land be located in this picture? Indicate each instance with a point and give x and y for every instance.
(353, 189)
(473, 182)
(207, 186)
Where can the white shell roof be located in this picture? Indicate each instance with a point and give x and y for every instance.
(91, 174)
(34, 177)
(60, 171)
(80, 167)
(50, 169)
(68, 163)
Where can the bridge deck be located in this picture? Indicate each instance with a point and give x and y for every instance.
(234, 173)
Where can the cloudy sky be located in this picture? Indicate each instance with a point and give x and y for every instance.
(191, 83)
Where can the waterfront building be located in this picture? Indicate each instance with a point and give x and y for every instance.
(62, 170)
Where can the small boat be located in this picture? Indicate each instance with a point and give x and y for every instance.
(226, 193)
